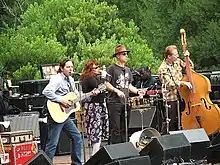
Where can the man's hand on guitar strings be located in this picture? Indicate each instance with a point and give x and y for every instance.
(66, 103)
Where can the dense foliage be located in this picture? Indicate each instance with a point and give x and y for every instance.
(78, 29)
(36, 32)
(160, 21)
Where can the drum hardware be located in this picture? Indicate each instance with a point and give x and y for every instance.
(142, 118)
(166, 108)
(138, 102)
(140, 139)
(155, 97)
(178, 115)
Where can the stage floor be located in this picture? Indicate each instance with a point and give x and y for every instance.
(66, 159)
(62, 160)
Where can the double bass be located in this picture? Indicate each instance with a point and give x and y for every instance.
(199, 110)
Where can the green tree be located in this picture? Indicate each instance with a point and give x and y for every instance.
(160, 21)
(79, 29)
(11, 11)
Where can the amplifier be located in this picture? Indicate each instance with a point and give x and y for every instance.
(142, 117)
(28, 103)
(32, 86)
(24, 121)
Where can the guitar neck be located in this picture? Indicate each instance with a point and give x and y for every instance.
(83, 96)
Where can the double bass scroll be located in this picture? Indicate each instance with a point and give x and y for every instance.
(199, 111)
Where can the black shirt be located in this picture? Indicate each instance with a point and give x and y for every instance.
(121, 78)
(88, 84)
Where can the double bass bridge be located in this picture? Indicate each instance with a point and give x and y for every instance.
(196, 104)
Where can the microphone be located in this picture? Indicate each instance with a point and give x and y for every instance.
(134, 71)
(104, 74)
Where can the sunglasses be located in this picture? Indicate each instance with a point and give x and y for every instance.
(125, 54)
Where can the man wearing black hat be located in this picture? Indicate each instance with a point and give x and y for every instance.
(119, 85)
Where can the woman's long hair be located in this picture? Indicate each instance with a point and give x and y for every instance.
(87, 71)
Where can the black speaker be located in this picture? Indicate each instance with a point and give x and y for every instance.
(216, 139)
(64, 145)
(136, 117)
(214, 154)
(113, 152)
(28, 103)
(199, 141)
(32, 86)
(167, 149)
(141, 160)
(40, 158)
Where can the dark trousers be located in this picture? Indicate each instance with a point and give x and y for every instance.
(117, 122)
(173, 116)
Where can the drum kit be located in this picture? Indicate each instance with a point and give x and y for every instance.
(141, 138)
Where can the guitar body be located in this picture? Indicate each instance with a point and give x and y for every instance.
(58, 112)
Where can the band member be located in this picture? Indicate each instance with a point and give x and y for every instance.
(170, 74)
(146, 80)
(96, 116)
(60, 85)
(119, 85)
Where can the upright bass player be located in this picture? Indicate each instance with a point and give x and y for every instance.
(170, 74)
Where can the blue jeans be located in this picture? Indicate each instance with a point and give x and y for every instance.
(72, 132)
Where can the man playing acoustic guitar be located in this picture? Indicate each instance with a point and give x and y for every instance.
(61, 93)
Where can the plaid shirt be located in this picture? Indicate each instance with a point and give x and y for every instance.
(170, 75)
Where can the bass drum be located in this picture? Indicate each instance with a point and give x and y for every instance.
(140, 139)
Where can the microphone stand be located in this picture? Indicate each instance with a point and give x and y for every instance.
(82, 123)
(126, 113)
(177, 103)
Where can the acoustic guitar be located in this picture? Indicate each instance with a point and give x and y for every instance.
(59, 113)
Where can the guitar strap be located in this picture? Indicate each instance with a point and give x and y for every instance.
(69, 84)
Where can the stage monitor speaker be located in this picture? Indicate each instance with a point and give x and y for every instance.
(40, 158)
(141, 160)
(167, 148)
(199, 141)
(214, 154)
(216, 139)
(113, 152)
(136, 119)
